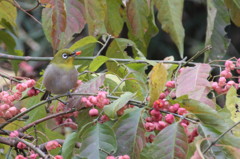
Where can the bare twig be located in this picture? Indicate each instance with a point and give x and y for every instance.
(104, 46)
(15, 3)
(214, 142)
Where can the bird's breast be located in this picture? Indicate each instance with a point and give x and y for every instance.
(58, 80)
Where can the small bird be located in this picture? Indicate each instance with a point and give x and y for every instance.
(60, 75)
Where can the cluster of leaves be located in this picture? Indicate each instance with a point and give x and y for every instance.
(124, 133)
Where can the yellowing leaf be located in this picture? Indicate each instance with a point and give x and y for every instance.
(232, 104)
(8, 12)
(234, 11)
(158, 78)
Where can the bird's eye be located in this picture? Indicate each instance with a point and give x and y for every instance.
(64, 56)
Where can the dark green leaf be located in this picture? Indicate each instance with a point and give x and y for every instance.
(68, 146)
(95, 15)
(113, 20)
(215, 36)
(170, 143)
(130, 134)
(97, 139)
(170, 16)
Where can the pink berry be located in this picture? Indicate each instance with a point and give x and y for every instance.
(52, 145)
(110, 157)
(21, 145)
(30, 83)
(229, 65)
(21, 87)
(161, 125)
(58, 157)
(14, 134)
(126, 157)
(8, 114)
(222, 81)
(13, 110)
(23, 109)
(170, 84)
(4, 107)
(20, 157)
(93, 112)
(182, 111)
(169, 118)
(33, 156)
(154, 112)
(214, 85)
(162, 96)
(149, 126)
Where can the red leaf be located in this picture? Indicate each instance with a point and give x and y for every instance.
(58, 22)
(62, 20)
(193, 82)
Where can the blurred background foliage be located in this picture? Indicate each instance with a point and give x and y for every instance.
(31, 40)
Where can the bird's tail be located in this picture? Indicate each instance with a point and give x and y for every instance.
(45, 95)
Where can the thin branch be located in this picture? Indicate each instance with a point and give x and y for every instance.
(29, 58)
(47, 118)
(19, 7)
(33, 147)
(214, 142)
(38, 3)
(21, 135)
(30, 109)
(104, 46)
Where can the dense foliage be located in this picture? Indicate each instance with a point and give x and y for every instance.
(123, 105)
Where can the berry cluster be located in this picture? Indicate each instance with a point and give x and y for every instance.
(66, 119)
(224, 82)
(158, 121)
(118, 157)
(99, 101)
(7, 98)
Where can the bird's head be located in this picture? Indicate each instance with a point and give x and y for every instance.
(65, 57)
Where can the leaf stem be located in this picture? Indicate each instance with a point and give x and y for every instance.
(214, 142)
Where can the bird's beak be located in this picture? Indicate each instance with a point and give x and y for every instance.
(76, 53)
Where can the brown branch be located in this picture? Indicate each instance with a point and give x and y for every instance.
(19, 7)
(21, 135)
(47, 118)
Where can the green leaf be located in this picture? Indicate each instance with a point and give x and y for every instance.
(157, 81)
(95, 15)
(97, 62)
(8, 13)
(113, 20)
(82, 42)
(216, 21)
(69, 145)
(140, 22)
(135, 83)
(111, 109)
(170, 143)
(130, 134)
(96, 139)
(214, 123)
(170, 16)
(234, 9)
